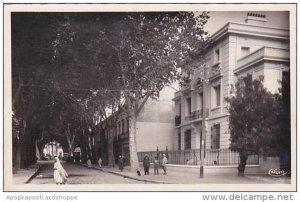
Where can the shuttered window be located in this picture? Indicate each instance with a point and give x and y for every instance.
(215, 137)
(179, 141)
(187, 140)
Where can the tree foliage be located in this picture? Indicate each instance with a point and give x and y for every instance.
(282, 142)
(136, 54)
(70, 69)
(253, 111)
(253, 118)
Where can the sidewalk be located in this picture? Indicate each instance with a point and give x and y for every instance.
(192, 176)
(23, 176)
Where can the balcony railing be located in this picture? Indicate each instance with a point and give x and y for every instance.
(177, 120)
(177, 94)
(264, 52)
(196, 115)
(192, 157)
(216, 69)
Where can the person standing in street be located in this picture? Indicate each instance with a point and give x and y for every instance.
(89, 163)
(60, 175)
(124, 160)
(121, 163)
(100, 162)
(164, 164)
(156, 165)
(146, 164)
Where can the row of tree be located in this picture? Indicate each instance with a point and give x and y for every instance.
(72, 70)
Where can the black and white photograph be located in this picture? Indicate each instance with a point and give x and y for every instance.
(149, 97)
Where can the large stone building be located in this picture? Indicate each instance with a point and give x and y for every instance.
(239, 49)
(155, 127)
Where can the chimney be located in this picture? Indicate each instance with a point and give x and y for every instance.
(256, 19)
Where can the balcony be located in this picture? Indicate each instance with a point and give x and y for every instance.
(196, 115)
(215, 70)
(177, 95)
(177, 120)
(264, 53)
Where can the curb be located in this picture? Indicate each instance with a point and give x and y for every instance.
(129, 177)
(33, 175)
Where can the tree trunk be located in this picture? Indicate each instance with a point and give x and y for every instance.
(23, 146)
(17, 162)
(93, 150)
(70, 144)
(41, 149)
(70, 148)
(18, 144)
(37, 150)
(70, 140)
(83, 148)
(110, 150)
(134, 163)
(285, 160)
(242, 164)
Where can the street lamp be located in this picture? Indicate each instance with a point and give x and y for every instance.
(203, 127)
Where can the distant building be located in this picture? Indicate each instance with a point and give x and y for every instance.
(238, 50)
(53, 149)
(155, 127)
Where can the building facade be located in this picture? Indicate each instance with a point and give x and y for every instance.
(155, 127)
(238, 50)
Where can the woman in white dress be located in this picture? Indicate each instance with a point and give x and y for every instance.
(60, 175)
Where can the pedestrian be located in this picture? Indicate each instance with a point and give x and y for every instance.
(164, 164)
(156, 165)
(146, 164)
(124, 160)
(121, 163)
(60, 175)
(100, 162)
(89, 163)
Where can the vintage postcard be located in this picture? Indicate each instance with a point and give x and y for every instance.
(149, 97)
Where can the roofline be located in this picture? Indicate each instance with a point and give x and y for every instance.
(226, 29)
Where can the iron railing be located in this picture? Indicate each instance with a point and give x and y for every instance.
(196, 115)
(216, 69)
(192, 157)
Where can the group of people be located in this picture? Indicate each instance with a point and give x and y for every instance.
(146, 164)
(60, 175)
(89, 163)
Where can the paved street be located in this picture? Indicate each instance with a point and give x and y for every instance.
(191, 176)
(82, 175)
(79, 175)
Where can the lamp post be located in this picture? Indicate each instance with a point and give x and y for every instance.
(203, 127)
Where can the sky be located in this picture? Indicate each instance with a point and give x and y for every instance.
(219, 18)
